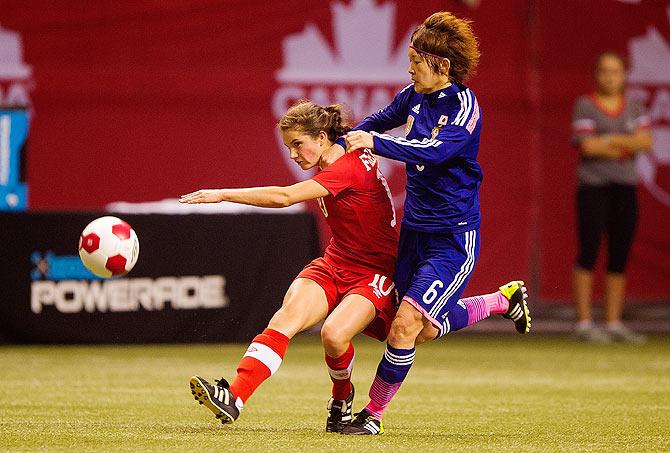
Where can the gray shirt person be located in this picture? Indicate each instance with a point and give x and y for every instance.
(588, 119)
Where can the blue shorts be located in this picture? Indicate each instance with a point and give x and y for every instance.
(433, 270)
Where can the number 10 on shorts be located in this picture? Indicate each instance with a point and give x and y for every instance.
(430, 295)
(378, 283)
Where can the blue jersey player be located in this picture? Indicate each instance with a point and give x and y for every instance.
(439, 237)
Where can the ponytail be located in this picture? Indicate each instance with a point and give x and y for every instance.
(311, 119)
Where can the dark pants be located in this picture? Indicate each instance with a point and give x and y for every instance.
(610, 209)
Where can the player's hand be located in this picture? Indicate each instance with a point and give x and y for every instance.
(358, 140)
(202, 196)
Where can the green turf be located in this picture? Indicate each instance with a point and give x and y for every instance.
(466, 393)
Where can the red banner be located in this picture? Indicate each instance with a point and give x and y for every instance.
(572, 34)
(146, 100)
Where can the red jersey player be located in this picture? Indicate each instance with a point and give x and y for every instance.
(350, 286)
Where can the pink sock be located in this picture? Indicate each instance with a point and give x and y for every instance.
(481, 307)
(381, 394)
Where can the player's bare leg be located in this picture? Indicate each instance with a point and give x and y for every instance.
(347, 320)
(304, 306)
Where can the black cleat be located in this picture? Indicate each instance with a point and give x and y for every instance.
(217, 398)
(518, 312)
(339, 413)
(364, 424)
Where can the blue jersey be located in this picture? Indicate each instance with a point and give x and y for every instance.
(440, 151)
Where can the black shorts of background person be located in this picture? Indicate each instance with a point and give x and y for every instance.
(609, 211)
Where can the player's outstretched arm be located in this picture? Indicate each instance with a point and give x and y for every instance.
(448, 144)
(265, 197)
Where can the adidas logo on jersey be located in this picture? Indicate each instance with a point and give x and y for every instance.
(441, 95)
(420, 167)
(416, 108)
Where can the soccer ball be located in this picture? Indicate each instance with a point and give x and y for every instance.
(108, 247)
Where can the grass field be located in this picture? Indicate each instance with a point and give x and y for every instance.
(466, 393)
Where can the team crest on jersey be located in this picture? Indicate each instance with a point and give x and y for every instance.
(410, 123)
(444, 119)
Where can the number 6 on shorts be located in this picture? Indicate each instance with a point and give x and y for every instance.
(430, 295)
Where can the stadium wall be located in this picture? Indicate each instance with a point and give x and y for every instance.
(145, 100)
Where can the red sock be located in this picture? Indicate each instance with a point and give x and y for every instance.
(261, 360)
(339, 369)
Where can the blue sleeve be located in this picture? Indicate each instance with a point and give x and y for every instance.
(451, 142)
(390, 117)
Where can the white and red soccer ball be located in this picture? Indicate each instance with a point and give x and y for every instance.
(109, 247)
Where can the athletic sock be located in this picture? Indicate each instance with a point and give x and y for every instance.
(339, 369)
(391, 372)
(260, 361)
(481, 307)
(473, 309)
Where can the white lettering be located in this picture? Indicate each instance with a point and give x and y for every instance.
(319, 95)
(139, 290)
(163, 290)
(41, 293)
(213, 291)
(368, 160)
(69, 296)
(117, 296)
(379, 98)
(187, 293)
(128, 295)
(361, 100)
(355, 98)
(660, 106)
(95, 298)
(284, 97)
(430, 295)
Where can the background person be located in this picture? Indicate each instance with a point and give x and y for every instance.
(609, 128)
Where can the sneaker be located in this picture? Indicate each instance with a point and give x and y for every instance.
(364, 424)
(217, 398)
(621, 333)
(518, 312)
(592, 334)
(339, 413)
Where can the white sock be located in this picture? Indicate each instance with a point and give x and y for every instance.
(584, 324)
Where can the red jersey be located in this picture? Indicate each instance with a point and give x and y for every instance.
(360, 213)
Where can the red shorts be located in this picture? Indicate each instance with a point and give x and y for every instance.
(339, 283)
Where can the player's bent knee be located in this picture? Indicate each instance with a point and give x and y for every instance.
(334, 340)
(428, 333)
(404, 329)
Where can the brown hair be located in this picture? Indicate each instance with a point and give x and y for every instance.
(613, 54)
(447, 36)
(311, 118)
